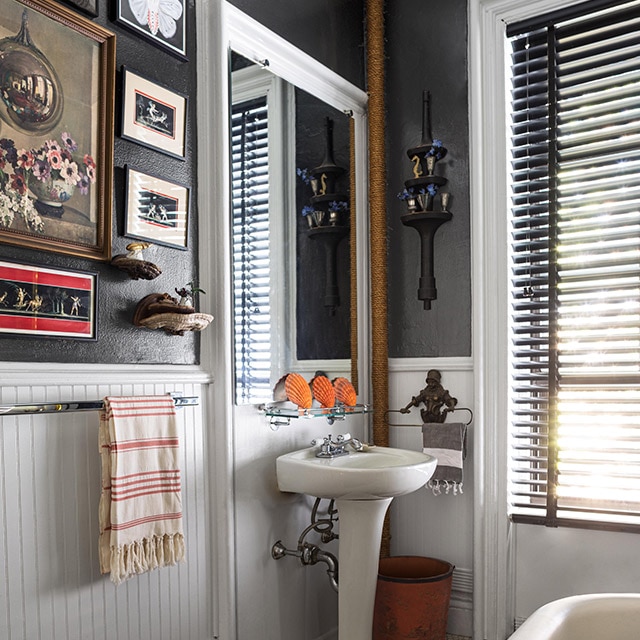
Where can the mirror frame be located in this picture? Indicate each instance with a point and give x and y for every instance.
(251, 39)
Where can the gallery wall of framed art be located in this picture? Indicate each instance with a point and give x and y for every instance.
(63, 184)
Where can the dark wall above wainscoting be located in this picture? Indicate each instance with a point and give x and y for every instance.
(119, 342)
(427, 49)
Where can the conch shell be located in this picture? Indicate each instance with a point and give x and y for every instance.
(323, 391)
(293, 387)
(345, 392)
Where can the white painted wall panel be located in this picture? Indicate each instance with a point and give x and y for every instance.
(50, 585)
(423, 524)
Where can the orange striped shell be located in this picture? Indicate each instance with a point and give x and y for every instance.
(323, 391)
(345, 392)
(298, 390)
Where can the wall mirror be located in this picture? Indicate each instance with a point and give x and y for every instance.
(298, 214)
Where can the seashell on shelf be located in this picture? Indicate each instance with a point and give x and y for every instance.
(345, 392)
(323, 391)
(298, 391)
(279, 393)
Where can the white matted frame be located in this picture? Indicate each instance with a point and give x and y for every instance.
(152, 115)
(156, 210)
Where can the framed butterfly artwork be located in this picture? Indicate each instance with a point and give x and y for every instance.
(162, 22)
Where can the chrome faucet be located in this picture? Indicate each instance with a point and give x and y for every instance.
(333, 448)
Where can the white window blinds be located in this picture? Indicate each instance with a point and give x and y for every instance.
(575, 282)
(251, 259)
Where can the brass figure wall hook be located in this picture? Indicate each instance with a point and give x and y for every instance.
(436, 399)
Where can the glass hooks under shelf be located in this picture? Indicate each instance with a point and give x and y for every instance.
(280, 415)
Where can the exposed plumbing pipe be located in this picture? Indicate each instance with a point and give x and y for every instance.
(310, 554)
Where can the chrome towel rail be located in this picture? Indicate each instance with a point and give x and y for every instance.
(77, 405)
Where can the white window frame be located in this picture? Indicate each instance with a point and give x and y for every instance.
(493, 544)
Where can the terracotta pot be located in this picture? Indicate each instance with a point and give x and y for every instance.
(412, 598)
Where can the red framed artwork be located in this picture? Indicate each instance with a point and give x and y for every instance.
(42, 302)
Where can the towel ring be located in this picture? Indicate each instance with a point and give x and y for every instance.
(390, 424)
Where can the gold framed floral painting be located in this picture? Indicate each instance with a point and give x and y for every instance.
(57, 78)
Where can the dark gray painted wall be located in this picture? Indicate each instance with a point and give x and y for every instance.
(427, 49)
(119, 341)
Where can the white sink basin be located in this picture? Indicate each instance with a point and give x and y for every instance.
(373, 474)
(363, 483)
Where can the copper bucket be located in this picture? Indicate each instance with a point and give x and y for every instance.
(412, 598)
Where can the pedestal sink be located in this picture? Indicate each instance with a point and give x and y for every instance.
(363, 484)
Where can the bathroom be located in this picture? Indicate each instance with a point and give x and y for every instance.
(230, 588)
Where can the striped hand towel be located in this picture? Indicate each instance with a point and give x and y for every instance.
(140, 504)
(447, 443)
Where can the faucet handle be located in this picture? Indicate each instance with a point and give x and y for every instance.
(345, 437)
(323, 441)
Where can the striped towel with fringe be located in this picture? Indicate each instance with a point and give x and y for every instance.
(140, 504)
(447, 443)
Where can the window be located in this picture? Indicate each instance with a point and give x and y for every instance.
(257, 201)
(251, 279)
(575, 268)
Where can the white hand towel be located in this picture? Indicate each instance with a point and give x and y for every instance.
(140, 504)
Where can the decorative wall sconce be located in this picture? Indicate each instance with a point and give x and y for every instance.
(419, 194)
(327, 214)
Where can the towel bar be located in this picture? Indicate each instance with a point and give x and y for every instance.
(77, 405)
(389, 424)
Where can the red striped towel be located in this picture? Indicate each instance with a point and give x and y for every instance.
(140, 504)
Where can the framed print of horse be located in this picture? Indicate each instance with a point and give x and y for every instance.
(153, 115)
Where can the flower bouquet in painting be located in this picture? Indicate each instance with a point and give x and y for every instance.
(38, 181)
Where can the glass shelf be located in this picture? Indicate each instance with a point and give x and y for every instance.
(280, 414)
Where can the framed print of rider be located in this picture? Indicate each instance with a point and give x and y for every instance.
(153, 115)
(156, 209)
(163, 23)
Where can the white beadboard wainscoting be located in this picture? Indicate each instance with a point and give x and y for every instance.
(423, 524)
(50, 584)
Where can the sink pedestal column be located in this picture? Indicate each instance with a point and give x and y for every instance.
(358, 554)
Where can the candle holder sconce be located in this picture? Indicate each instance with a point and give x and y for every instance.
(419, 194)
(327, 214)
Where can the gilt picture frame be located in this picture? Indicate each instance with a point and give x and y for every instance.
(43, 302)
(156, 210)
(164, 24)
(56, 135)
(153, 115)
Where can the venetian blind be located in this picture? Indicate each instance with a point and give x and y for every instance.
(250, 234)
(575, 326)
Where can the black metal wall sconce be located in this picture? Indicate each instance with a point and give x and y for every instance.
(327, 214)
(419, 194)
